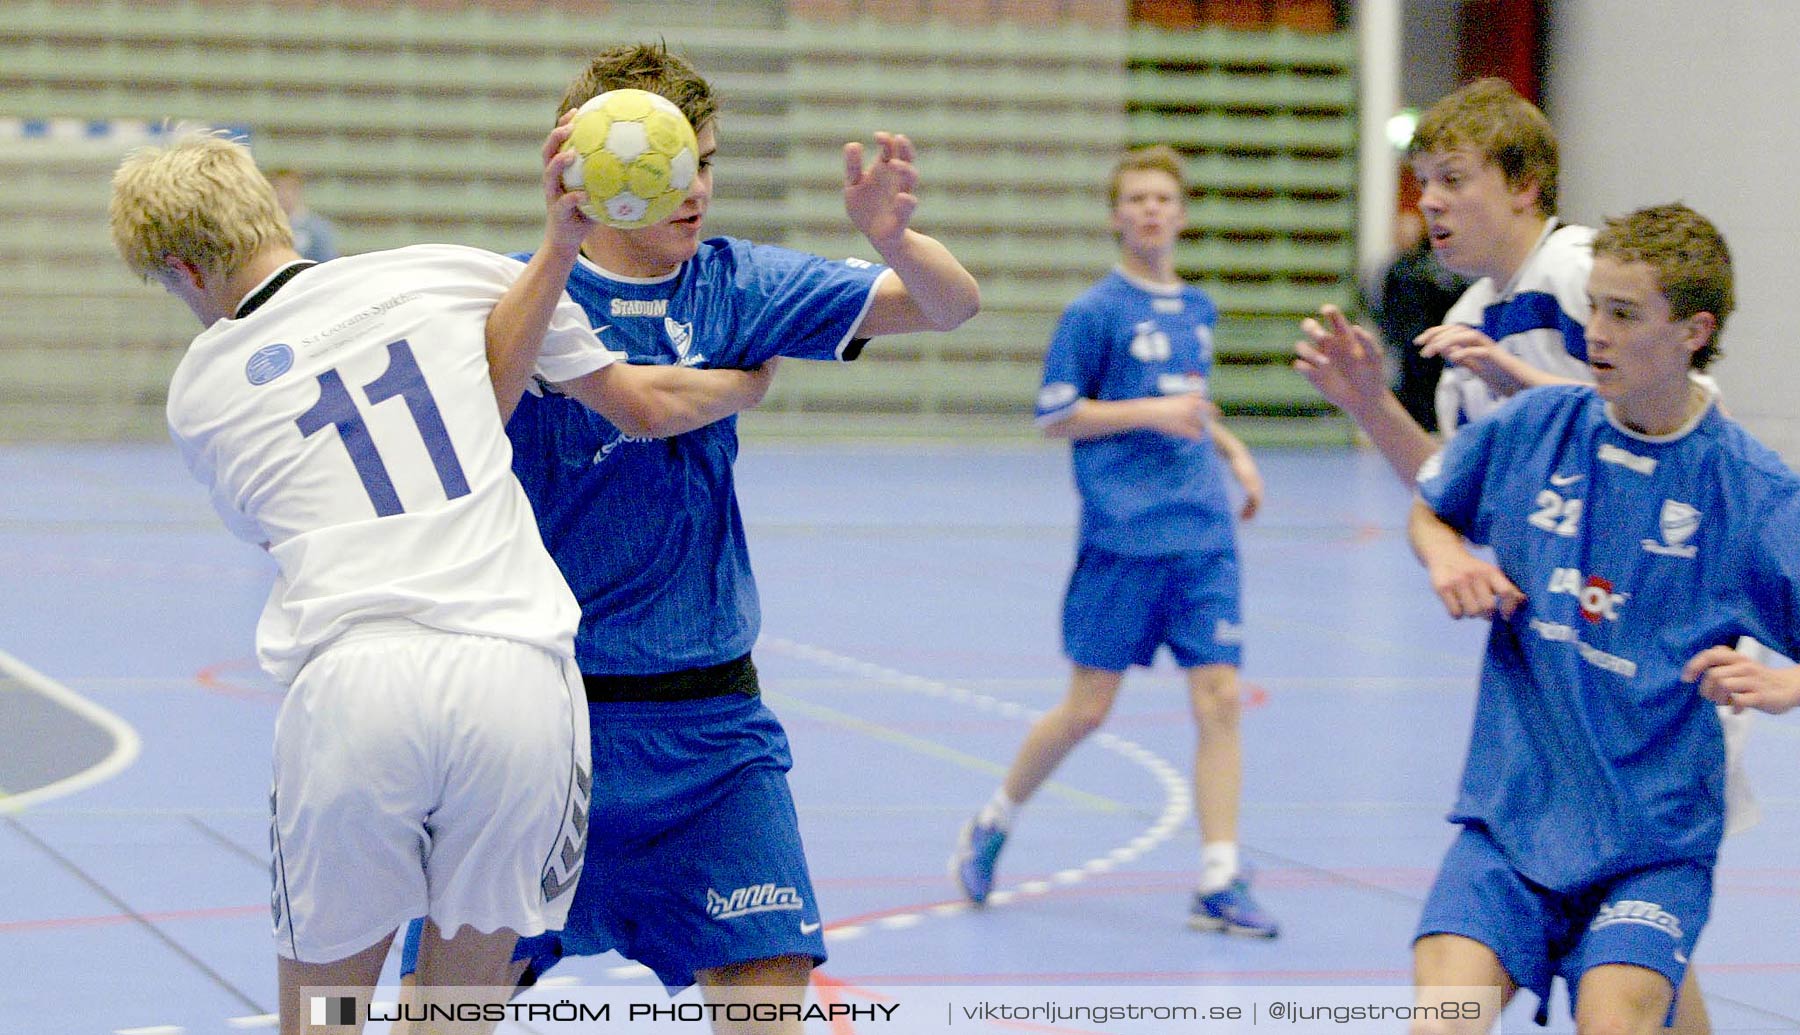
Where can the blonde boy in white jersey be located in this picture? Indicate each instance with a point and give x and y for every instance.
(343, 417)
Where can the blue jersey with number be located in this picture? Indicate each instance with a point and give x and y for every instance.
(647, 531)
(1590, 756)
(1142, 492)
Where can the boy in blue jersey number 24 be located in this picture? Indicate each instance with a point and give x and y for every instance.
(1637, 532)
(694, 864)
(1125, 381)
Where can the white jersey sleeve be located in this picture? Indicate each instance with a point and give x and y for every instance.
(350, 423)
(1540, 317)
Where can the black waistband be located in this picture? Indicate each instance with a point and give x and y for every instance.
(737, 676)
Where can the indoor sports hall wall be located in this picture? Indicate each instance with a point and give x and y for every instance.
(1666, 100)
(422, 121)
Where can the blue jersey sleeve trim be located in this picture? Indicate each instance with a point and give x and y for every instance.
(852, 345)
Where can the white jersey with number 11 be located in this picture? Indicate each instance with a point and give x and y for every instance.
(349, 423)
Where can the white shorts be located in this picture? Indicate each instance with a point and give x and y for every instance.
(421, 773)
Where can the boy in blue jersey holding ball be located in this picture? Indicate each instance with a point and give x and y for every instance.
(694, 865)
(1637, 533)
(1125, 381)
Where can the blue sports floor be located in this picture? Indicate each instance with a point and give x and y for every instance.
(911, 597)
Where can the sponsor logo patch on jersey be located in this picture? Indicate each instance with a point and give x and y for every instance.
(681, 337)
(1677, 524)
(653, 307)
(268, 363)
(1636, 911)
(757, 898)
(1594, 594)
(1611, 454)
(1181, 384)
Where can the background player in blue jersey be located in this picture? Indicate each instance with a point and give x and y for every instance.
(1486, 160)
(1125, 380)
(1637, 534)
(695, 867)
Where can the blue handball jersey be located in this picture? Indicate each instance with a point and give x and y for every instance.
(647, 531)
(1143, 493)
(1590, 756)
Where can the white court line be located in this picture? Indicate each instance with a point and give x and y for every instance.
(126, 744)
(1177, 800)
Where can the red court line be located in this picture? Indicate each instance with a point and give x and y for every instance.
(65, 923)
(212, 679)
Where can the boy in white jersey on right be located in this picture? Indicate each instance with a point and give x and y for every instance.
(1637, 533)
(1486, 160)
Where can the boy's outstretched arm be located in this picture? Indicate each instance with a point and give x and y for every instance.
(1344, 363)
(660, 401)
(930, 291)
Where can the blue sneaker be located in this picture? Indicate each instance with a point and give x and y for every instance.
(977, 850)
(1232, 910)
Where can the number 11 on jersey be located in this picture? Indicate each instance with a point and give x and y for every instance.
(402, 378)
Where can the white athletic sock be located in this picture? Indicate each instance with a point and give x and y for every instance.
(1218, 865)
(998, 812)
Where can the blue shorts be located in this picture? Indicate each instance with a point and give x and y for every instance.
(1119, 609)
(1647, 918)
(693, 858)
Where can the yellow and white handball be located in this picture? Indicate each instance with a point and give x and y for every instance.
(638, 159)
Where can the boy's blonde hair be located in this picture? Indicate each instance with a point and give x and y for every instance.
(645, 66)
(1158, 157)
(200, 199)
(1690, 260)
(1489, 117)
